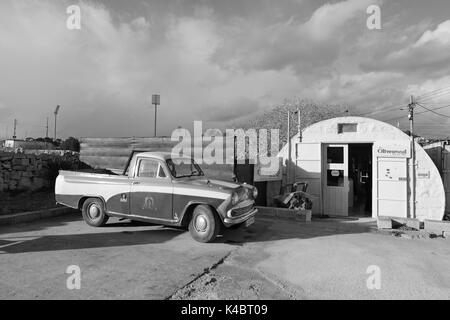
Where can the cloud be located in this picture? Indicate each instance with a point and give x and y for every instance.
(440, 87)
(229, 110)
(308, 46)
(209, 61)
(428, 54)
(327, 21)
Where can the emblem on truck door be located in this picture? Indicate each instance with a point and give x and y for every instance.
(149, 203)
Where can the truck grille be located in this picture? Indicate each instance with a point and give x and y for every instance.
(242, 208)
(243, 193)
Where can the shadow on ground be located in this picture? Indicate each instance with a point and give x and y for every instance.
(43, 224)
(91, 240)
(272, 229)
(265, 229)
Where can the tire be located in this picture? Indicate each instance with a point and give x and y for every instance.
(204, 225)
(94, 212)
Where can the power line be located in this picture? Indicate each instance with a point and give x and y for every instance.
(439, 95)
(432, 110)
(432, 92)
(426, 96)
(385, 109)
(397, 118)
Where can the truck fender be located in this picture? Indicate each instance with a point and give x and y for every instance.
(189, 209)
(84, 198)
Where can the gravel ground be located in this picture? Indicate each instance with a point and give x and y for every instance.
(273, 259)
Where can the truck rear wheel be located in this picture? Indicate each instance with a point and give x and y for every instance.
(94, 212)
(204, 225)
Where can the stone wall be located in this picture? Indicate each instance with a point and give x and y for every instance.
(31, 172)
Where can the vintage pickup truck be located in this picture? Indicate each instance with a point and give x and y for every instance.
(157, 188)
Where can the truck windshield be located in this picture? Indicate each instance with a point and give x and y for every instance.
(180, 168)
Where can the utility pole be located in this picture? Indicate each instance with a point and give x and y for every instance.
(299, 125)
(46, 129)
(411, 106)
(15, 129)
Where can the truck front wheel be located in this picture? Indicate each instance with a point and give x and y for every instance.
(204, 225)
(94, 212)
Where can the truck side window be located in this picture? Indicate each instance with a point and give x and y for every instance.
(161, 173)
(148, 168)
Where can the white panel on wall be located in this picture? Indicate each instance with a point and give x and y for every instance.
(392, 208)
(392, 194)
(307, 151)
(308, 169)
(392, 191)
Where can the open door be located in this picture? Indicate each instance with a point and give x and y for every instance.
(335, 179)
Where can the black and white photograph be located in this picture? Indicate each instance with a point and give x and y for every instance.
(220, 156)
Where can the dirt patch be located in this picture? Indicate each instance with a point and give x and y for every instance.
(411, 233)
(234, 280)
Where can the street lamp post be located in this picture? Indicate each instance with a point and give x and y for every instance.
(156, 102)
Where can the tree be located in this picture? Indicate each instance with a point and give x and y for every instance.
(71, 144)
(310, 112)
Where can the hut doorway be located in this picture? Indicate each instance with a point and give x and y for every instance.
(360, 179)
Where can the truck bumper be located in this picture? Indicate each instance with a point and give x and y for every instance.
(242, 218)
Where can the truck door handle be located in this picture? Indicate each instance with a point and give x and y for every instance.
(135, 182)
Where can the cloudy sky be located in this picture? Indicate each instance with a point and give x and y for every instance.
(216, 61)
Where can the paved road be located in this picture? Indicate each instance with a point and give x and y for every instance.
(270, 260)
(328, 259)
(121, 260)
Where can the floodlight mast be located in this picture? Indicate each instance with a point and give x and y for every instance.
(156, 102)
(56, 114)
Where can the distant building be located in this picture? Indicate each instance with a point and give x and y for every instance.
(35, 145)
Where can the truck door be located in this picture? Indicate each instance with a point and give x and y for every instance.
(151, 190)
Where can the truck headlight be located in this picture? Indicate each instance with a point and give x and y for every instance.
(234, 198)
(255, 192)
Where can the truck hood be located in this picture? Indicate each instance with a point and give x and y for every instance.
(202, 182)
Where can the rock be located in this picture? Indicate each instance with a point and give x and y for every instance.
(384, 223)
(6, 165)
(437, 226)
(16, 162)
(38, 183)
(27, 174)
(24, 183)
(15, 175)
(12, 185)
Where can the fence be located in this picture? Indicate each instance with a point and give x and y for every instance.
(113, 153)
(439, 152)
